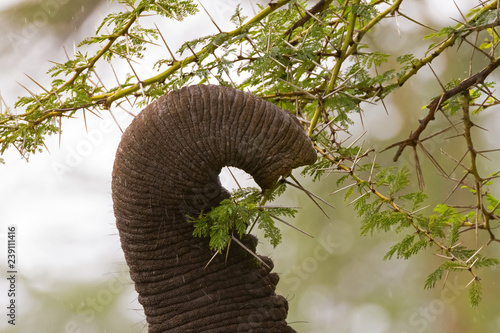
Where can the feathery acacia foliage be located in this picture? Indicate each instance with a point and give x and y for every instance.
(316, 62)
(236, 215)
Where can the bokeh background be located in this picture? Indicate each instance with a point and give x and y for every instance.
(72, 275)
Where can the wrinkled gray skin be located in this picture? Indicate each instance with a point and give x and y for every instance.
(167, 167)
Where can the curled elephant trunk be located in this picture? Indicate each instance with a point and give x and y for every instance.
(167, 166)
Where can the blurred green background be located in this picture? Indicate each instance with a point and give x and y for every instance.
(72, 276)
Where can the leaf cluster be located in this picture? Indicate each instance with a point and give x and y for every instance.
(235, 215)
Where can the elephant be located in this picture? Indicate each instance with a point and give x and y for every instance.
(166, 168)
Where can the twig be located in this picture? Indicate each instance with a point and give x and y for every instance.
(465, 85)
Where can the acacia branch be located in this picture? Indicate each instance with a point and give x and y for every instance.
(459, 33)
(108, 98)
(410, 216)
(317, 8)
(473, 170)
(348, 48)
(99, 55)
(105, 100)
(389, 200)
(465, 85)
(338, 65)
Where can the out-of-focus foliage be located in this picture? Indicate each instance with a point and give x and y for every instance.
(26, 20)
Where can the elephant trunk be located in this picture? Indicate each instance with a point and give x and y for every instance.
(167, 167)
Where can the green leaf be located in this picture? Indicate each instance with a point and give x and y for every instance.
(375, 219)
(485, 262)
(416, 199)
(437, 275)
(406, 248)
(492, 202)
(434, 277)
(475, 292)
(444, 32)
(454, 232)
(266, 223)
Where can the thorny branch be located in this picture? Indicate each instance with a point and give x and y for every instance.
(479, 181)
(317, 8)
(105, 100)
(108, 98)
(434, 106)
(414, 140)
